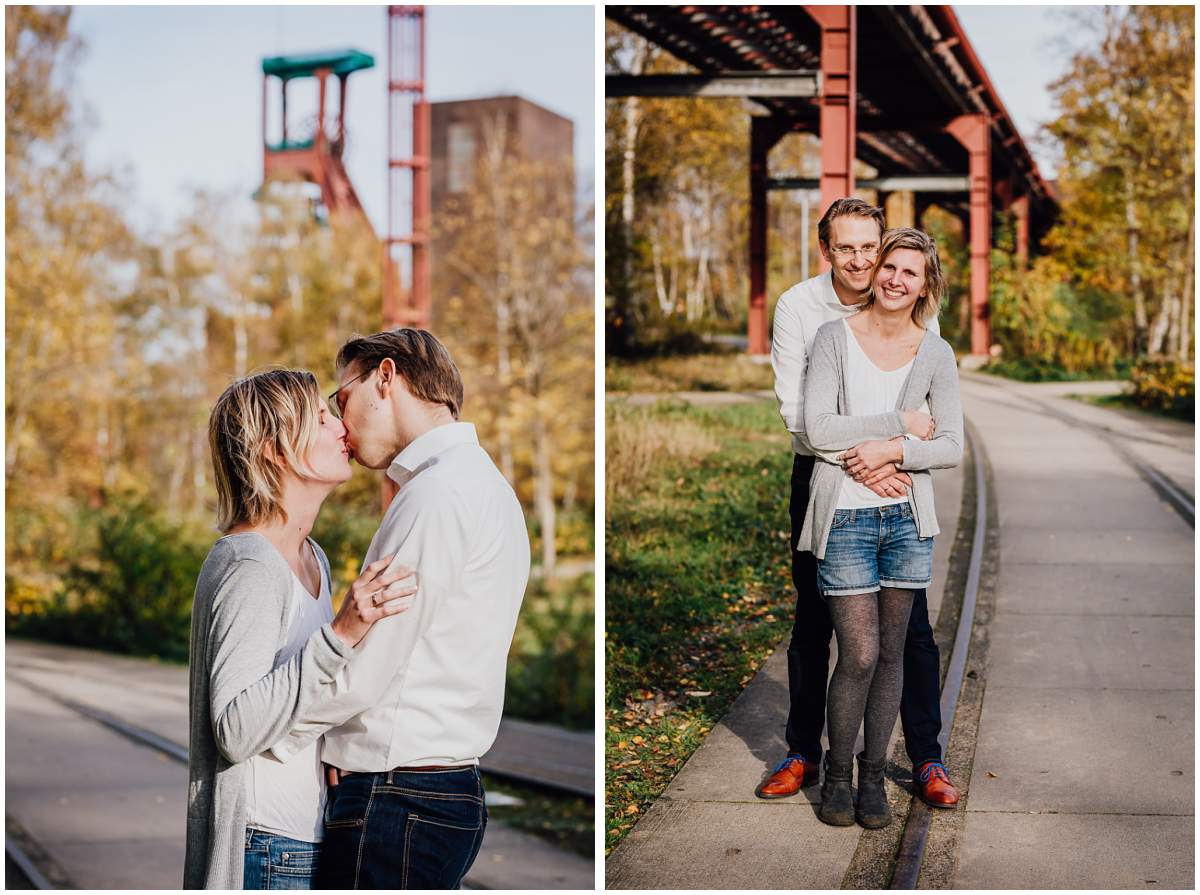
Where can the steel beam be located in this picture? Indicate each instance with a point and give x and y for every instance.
(974, 133)
(839, 82)
(934, 183)
(751, 85)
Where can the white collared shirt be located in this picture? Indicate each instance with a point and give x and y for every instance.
(426, 687)
(799, 313)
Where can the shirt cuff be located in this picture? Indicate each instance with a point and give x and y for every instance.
(331, 653)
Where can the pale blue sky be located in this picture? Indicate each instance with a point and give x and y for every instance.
(175, 92)
(1022, 49)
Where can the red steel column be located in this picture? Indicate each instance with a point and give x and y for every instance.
(764, 133)
(1020, 209)
(974, 133)
(838, 91)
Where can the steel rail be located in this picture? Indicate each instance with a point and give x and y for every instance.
(25, 864)
(1162, 484)
(916, 829)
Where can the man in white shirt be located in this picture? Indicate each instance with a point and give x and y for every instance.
(849, 235)
(421, 700)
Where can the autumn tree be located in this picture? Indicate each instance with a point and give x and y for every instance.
(517, 290)
(1126, 134)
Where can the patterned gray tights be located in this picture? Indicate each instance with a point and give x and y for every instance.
(869, 677)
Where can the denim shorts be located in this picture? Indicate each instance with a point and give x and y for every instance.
(277, 862)
(872, 548)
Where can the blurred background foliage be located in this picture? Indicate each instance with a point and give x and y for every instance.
(1112, 287)
(118, 342)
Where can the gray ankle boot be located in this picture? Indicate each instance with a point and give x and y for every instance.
(837, 805)
(872, 810)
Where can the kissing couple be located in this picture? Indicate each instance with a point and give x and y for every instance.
(341, 750)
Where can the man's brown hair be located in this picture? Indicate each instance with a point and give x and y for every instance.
(848, 208)
(422, 361)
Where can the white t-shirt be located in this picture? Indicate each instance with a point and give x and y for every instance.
(288, 798)
(869, 390)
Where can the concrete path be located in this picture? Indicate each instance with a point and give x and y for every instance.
(110, 813)
(1084, 773)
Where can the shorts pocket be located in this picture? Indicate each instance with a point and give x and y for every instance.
(841, 518)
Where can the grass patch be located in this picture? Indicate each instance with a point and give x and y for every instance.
(1126, 401)
(562, 820)
(710, 372)
(1040, 370)
(697, 592)
(640, 443)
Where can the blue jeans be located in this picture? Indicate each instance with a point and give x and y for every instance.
(874, 547)
(276, 862)
(402, 829)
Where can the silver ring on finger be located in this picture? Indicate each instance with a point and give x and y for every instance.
(375, 597)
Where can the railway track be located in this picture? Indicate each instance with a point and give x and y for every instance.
(913, 840)
(145, 706)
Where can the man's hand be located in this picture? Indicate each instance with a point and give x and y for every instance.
(892, 486)
(922, 425)
(872, 455)
(886, 471)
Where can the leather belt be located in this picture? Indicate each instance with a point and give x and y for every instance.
(334, 775)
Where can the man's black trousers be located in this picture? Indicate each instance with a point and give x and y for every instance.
(808, 654)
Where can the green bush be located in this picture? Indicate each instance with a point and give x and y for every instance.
(551, 664)
(1032, 369)
(1165, 386)
(132, 593)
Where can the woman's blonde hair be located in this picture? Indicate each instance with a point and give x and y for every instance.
(260, 427)
(935, 281)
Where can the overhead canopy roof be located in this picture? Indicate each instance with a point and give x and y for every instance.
(303, 65)
(916, 72)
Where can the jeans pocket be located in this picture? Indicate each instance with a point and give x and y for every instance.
(438, 853)
(346, 805)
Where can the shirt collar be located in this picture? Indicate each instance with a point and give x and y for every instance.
(830, 294)
(427, 446)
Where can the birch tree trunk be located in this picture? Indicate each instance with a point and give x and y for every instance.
(495, 138)
(1185, 328)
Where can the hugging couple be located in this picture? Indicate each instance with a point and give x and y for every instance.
(341, 751)
(869, 391)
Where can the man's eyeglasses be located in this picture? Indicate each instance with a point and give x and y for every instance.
(335, 397)
(868, 252)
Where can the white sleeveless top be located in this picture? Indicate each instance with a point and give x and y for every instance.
(869, 390)
(289, 798)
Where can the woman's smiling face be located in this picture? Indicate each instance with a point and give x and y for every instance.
(900, 280)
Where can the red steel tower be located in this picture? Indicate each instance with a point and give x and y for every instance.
(406, 279)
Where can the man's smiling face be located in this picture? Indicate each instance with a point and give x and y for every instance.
(852, 269)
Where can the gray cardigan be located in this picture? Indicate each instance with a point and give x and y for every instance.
(238, 706)
(831, 426)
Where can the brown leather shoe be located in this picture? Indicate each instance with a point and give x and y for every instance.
(933, 786)
(789, 775)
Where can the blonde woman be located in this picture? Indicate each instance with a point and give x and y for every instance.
(265, 643)
(867, 381)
